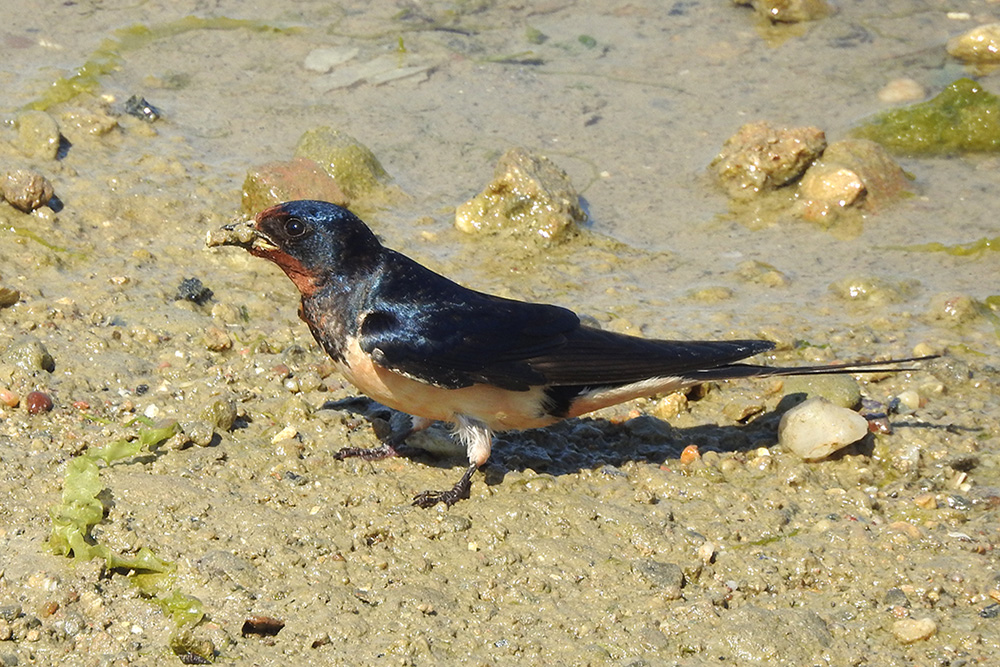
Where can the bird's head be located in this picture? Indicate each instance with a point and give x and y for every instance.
(310, 240)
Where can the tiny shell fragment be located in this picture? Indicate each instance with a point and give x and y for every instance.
(816, 428)
(9, 398)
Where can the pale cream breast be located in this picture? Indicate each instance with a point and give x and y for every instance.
(499, 409)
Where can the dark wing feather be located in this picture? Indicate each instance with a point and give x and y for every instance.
(592, 357)
(427, 327)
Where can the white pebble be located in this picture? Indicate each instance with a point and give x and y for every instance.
(909, 400)
(816, 428)
(910, 630)
(901, 90)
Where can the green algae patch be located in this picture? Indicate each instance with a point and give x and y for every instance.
(962, 118)
(108, 56)
(351, 164)
(959, 250)
(81, 509)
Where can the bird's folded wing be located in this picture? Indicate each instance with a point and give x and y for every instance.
(592, 357)
(516, 345)
(474, 339)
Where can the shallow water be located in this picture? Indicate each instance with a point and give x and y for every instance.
(587, 543)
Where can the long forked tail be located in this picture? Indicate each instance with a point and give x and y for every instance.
(734, 371)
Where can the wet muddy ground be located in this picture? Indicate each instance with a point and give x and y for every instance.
(586, 543)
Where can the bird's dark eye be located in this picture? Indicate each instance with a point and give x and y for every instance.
(294, 228)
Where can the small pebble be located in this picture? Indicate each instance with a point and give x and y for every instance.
(690, 454)
(842, 390)
(901, 91)
(200, 433)
(8, 297)
(265, 626)
(900, 611)
(909, 400)
(816, 428)
(670, 406)
(192, 289)
(220, 414)
(26, 189)
(37, 401)
(217, 340)
(979, 45)
(895, 597)
(37, 134)
(910, 630)
(138, 106)
(760, 158)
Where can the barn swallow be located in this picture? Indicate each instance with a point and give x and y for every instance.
(426, 346)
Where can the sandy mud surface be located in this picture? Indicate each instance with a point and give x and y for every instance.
(237, 538)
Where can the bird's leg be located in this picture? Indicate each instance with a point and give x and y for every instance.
(478, 440)
(400, 427)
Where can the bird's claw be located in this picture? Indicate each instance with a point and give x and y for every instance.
(458, 492)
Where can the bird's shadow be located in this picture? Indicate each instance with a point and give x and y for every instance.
(596, 443)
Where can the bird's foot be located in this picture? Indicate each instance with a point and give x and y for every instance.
(383, 451)
(458, 492)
